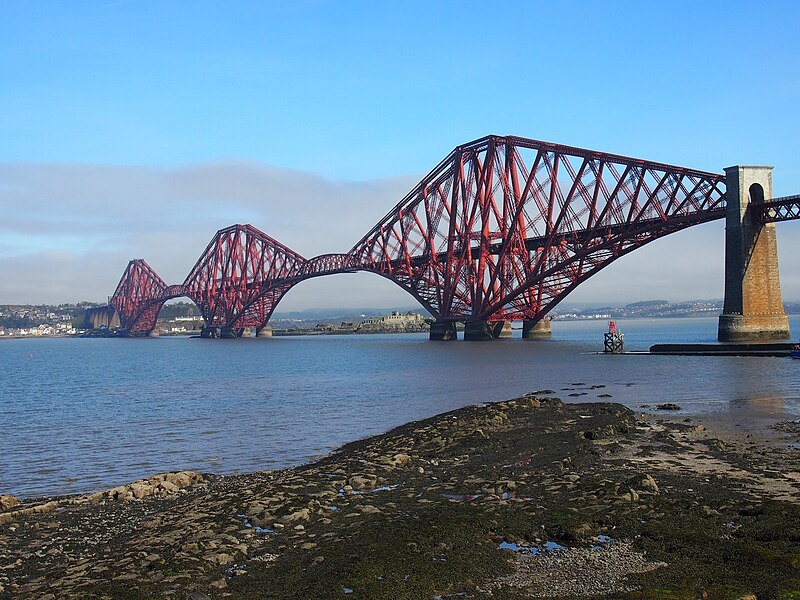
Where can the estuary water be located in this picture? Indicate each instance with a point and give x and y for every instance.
(78, 415)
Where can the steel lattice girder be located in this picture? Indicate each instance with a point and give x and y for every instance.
(505, 227)
(777, 209)
(138, 293)
(502, 228)
(236, 280)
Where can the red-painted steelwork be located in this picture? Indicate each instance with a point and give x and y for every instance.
(786, 208)
(139, 296)
(325, 264)
(241, 276)
(503, 228)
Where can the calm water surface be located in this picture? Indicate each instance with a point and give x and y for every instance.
(83, 414)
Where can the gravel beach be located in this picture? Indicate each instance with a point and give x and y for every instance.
(526, 498)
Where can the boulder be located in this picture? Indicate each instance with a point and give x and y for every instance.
(400, 460)
(643, 483)
(219, 558)
(168, 486)
(162, 482)
(141, 491)
(361, 482)
(254, 509)
(301, 515)
(7, 502)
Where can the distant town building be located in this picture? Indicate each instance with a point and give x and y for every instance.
(395, 320)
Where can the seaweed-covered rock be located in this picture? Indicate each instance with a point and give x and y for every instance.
(7, 502)
(643, 484)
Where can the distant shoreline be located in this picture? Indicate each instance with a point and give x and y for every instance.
(36, 337)
(365, 331)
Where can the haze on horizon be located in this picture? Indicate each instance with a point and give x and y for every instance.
(134, 130)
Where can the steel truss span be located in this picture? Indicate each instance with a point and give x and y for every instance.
(777, 209)
(502, 229)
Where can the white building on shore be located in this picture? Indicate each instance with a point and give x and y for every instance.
(395, 320)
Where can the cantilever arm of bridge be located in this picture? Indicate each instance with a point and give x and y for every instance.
(503, 228)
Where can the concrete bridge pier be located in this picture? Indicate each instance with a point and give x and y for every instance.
(264, 332)
(443, 331)
(753, 308)
(501, 330)
(478, 331)
(220, 331)
(536, 330)
(215, 332)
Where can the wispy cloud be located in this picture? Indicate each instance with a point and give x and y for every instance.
(68, 230)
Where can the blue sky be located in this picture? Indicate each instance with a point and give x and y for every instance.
(358, 93)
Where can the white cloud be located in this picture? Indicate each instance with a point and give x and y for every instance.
(68, 230)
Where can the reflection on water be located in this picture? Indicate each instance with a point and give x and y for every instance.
(85, 414)
(759, 406)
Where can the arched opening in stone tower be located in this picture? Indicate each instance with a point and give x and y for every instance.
(756, 193)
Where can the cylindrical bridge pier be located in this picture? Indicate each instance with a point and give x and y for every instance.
(534, 330)
(480, 330)
(220, 331)
(501, 330)
(443, 331)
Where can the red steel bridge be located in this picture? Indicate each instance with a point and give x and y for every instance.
(503, 229)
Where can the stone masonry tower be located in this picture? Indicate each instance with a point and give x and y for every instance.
(753, 306)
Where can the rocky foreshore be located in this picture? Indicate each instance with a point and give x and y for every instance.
(527, 498)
